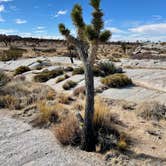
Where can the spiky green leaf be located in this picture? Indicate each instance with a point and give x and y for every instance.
(76, 15)
(105, 36)
(63, 30)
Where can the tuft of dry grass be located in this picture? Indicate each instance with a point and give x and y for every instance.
(79, 90)
(64, 98)
(152, 111)
(101, 113)
(3, 78)
(68, 132)
(9, 101)
(47, 114)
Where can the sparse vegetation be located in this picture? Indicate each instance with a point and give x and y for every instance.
(3, 78)
(46, 75)
(101, 113)
(69, 85)
(68, 132)
(107, 67)
(79, 90)
(63, 98)
(116, 81)
(10, 102)
(69, 68)
(21, 69)
(78, 70)
(60, 79)
(152, 111)
(12, 54)
(47, 114)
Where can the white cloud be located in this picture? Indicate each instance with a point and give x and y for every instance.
(5, 1)
(60, 13)
(40, 27)
(115, 30)
(7, 31)
(2, 8)
(20, 21)
(159, 28)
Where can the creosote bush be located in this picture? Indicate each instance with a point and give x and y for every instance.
(69, 85)
(21, 69)
(68, 131)
(12, 54)
(46, 75)
(116, 81)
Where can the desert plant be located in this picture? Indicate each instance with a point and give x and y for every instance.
(64, 98)
(116, 81)
(60, 79)
(12, 54)
(3, 78)
(68, 68)
(21, 69)
(47, 114)
(9, 101)
(86, 43)
(151, 111)
(68, 132)
(46, 75)
(78, 70)
(79, 90)
(107, 67)
(69, 85)
(101, 113)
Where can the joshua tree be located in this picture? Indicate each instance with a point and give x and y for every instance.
(86, 43)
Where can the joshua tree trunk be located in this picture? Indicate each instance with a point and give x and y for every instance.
(88, 141)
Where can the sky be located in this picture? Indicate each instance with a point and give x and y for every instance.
(128, 20)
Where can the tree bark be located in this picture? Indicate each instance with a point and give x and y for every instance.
(88, 140)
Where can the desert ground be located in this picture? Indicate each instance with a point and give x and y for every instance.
(134, 114)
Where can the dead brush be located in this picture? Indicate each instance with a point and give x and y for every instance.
(9, 101)
(64, 98)
(68, 132)
(47, 114)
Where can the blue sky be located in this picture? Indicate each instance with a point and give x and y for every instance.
(127, 19)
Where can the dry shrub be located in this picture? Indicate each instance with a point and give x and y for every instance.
(79, 90)
(69, 85)
(60, 79)
(21, 70)
(101, 113)
(116, 81)
(10, 102)
(152, 111)
(3, 78)
(26, 92)
(47, 114)
(51, 95)
(68, 132)
(46, 75)
(78, 70)
(64, 98)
